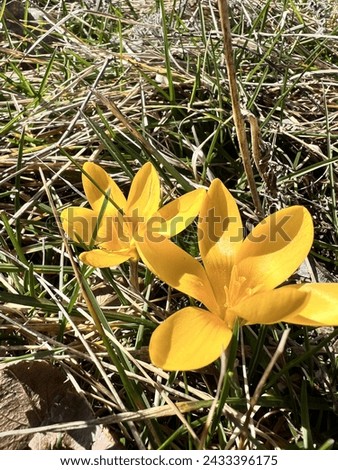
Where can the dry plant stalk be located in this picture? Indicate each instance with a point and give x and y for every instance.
(239, 120)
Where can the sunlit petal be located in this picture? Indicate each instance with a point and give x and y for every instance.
(179, 213)
(97, 184)
(113, 234)
(79, 223)
(220, 236)
(144, 195)
(177, 268)
(276, 247)
(270, 306)
(104, 259)
(300, 320)
(189, 339)
(321, 307)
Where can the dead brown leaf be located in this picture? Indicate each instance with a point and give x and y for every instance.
(36, 393)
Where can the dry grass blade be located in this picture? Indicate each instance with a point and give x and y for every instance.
(237, 113)
(155, 412)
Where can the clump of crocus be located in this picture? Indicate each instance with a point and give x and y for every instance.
(114, 225)
(238, 281)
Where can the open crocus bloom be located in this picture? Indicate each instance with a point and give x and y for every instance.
(237, 282)
(114, 225)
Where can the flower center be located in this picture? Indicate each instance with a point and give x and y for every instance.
(237, 291)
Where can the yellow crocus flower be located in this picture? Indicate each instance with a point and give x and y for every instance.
(238, 281)
(112, 228)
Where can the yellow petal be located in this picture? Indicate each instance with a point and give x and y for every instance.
(300, 320)
(104, 259)
(144, 195)
(276, 247)
(177, 268)
(220, 236)
(178, 214)
(79, 223)
(97, 184)
(189, 339)
(112, 234)
(270, 306)
(321, 307)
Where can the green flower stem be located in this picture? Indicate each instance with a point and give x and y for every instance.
(133, 276)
